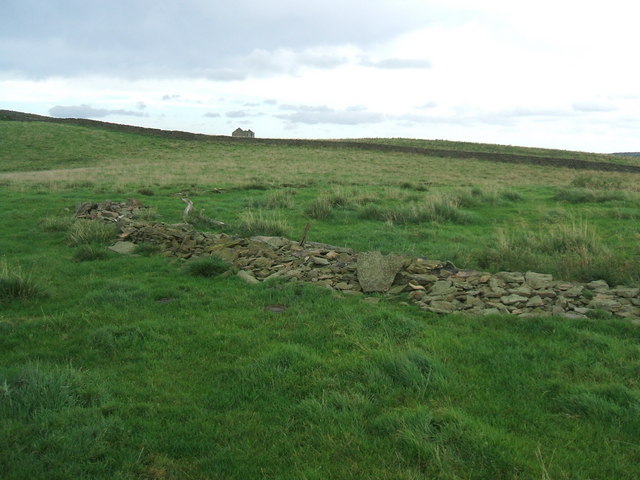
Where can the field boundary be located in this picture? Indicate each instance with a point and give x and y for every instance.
(573, 163)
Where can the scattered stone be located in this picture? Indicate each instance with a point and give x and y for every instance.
(125, 248)
(433, 285)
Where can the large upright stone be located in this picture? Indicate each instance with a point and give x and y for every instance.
(376, 272)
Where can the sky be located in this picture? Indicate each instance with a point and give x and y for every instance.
(544, 73)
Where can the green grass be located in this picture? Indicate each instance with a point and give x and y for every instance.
(149, 367)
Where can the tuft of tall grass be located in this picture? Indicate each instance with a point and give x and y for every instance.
(568, 251)
(56, 223)
(372, 212)
(209, 266)
(277, 199)
(475, 197)
(258, 222)
(90, 231)
(15, 283)
(320, 208)
(599, 182)
(34, 388)
(88, 253)
(585, 195)
(438, 209)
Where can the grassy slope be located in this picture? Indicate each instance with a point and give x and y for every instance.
(105, 378)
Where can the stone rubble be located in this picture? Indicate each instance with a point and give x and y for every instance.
(433, 285)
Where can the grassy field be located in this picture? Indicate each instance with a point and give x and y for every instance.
(137, 367)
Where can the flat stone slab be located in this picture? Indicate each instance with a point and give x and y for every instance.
(125, 248)
(376, 272)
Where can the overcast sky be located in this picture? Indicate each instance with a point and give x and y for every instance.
(548, 73)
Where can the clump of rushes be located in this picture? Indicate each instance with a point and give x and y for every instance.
(90, 231)
(15, 283)
(258, 222)
(210, 266)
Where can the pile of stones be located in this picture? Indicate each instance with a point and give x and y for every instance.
(433, 285)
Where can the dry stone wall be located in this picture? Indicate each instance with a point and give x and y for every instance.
(433, 285)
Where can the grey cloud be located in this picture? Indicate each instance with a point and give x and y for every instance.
(170, 97)
(87, 111)
(238, 114)
(313, 115)
(398, 63)
(270, 101)
(141, 105)
(143, 38)
(211, 115)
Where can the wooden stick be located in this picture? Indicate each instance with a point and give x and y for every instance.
(304, 235)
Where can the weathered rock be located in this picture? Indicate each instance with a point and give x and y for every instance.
(538, 281)
(535, 302)
(273, 242)
(442, 287)
(247, 277)
(376, 272)
(625, 292)
(441, 307)
(513, 299)
(320, 261)
(598, 286)
(604, 302)
(510, 277)
(125, 248)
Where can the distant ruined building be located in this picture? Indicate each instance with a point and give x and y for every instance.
(238, 132)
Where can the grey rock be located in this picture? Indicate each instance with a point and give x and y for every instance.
(376, 272)
(598, 286)
(441, 307)
(625, 292)
(603, 302)
(319, 261)
(247, 277)
(442, 287)
(513, 299)
(522, 290)
(538, 281)
(424, 278)
(510, 277)
(273, 242)
(535, 302)
(125, 248)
